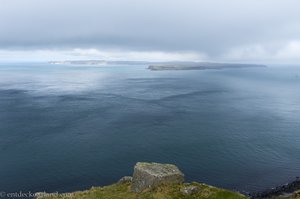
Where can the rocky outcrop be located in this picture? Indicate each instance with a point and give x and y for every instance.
(125, 179)
(189, 190)
(150, 180)
(283, 190)
(151, 175)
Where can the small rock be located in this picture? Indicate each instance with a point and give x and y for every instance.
(189, 190)
(152, 175)
(125, 179)
(296, 194)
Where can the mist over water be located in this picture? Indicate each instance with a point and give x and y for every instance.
(66, 128)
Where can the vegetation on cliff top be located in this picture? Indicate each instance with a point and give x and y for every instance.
(122, 191)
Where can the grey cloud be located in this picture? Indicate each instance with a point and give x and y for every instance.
(212, 27)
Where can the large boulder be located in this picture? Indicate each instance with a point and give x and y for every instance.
(152, 175)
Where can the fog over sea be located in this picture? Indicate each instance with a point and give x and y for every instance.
(65, 128)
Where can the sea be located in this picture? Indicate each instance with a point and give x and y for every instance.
(66, 127)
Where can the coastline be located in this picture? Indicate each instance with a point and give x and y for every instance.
(192, 190)
(285, 190)
(162, 181)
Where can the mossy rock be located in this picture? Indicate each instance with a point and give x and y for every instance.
(152, 175)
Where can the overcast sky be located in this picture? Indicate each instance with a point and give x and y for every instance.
(214, 30)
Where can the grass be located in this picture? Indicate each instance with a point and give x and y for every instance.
(122, 191)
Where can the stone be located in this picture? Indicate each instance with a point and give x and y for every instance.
(151, 175)
(189, 190)
(296, 194)
(125, 179)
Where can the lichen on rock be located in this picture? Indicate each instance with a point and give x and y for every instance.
(151, 175)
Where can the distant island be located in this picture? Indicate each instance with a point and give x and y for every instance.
(80, 62)
(101, 62)
(199, 66)
(159, 66)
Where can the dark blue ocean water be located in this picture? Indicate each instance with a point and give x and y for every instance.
(66, 128)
